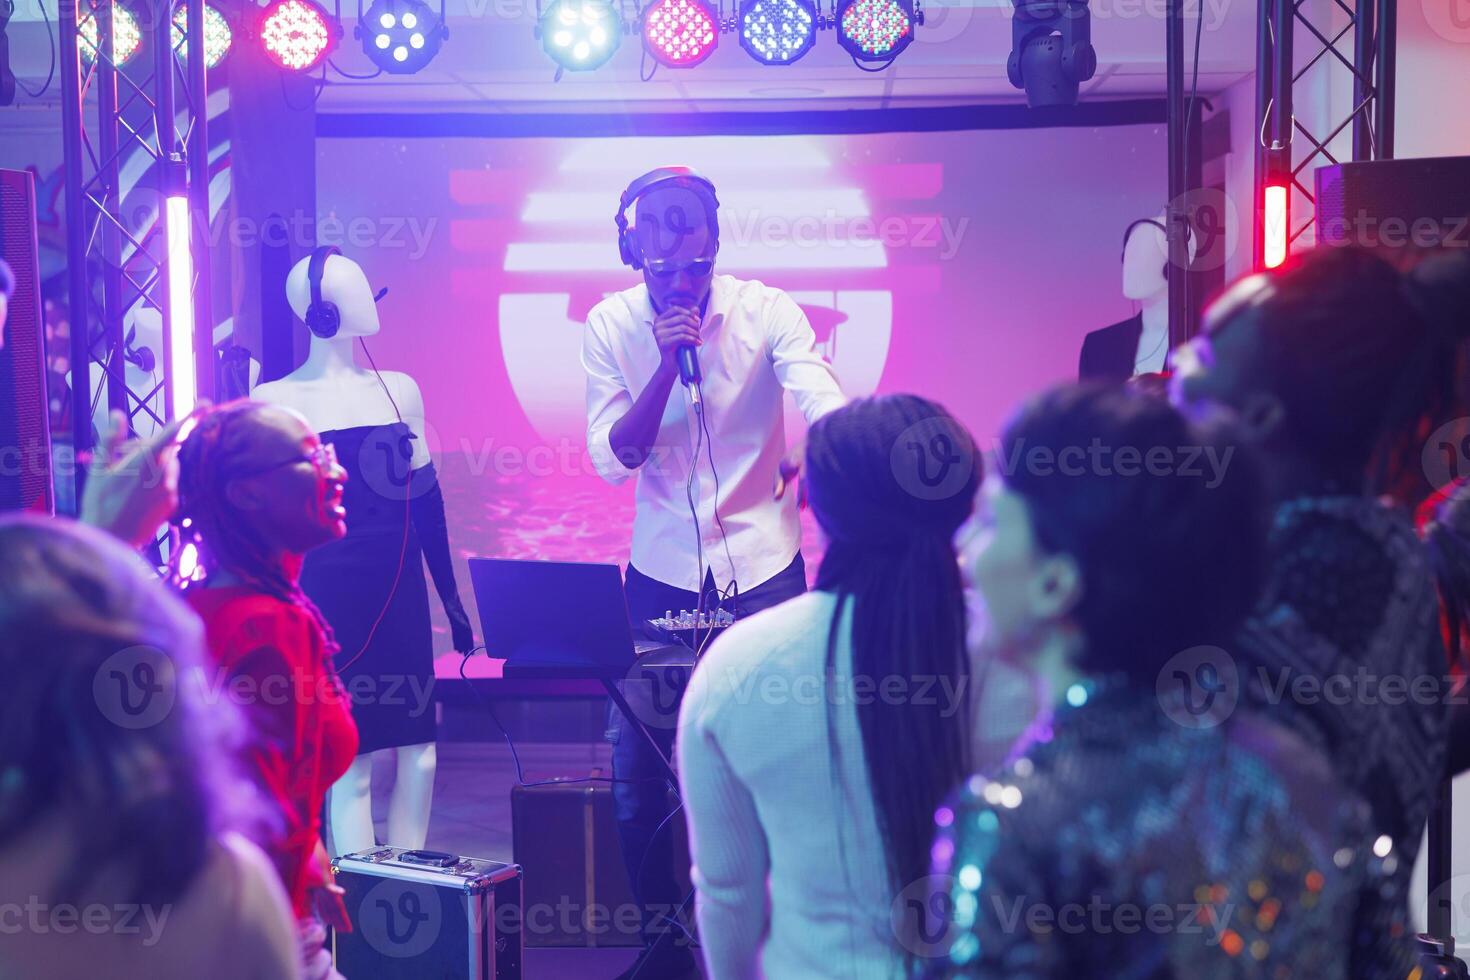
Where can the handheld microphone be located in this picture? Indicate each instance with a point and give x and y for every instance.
(689, 372)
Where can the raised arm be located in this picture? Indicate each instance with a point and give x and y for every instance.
(621, 429)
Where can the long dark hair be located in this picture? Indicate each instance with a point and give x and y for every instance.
(890, 480)
(218, 449)
(151, 781)
(1367, 360)
(1171, 556)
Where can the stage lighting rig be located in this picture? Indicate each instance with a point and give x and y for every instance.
(217, 35)
(298, 34)
(877, 30)
(401, 36)
(777, 32)
(580, 35)
(126, 37)
(1051, 50)
(680, 33)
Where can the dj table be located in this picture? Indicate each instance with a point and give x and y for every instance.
(656, 681)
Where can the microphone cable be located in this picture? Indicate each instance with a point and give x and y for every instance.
(694, 516)
(730, 593)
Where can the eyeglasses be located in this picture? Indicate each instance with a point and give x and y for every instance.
(323, 457)
(698, 268)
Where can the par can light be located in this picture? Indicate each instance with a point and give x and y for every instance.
(401, 36)
(777, 32)
(875, 30)
(680, 33)
(580, 35)
(297, 34)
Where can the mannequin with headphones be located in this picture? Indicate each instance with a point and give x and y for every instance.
(139, 361)
(370, 586)
(1138, 345)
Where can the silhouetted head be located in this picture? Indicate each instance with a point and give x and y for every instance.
(1339, 362)
(103, 719)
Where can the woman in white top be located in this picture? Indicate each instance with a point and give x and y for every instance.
(117, 796)
(817, 737)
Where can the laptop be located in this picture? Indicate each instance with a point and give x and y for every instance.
(555, 614)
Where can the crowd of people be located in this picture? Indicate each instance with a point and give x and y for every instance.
(1200, 821)
(1178, 807)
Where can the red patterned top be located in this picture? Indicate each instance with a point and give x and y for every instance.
(274, 666)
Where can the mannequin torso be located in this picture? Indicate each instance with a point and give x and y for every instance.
(350, 398)
(1145, 280)
(1139, 345)
(370, 585)
(1152, 354)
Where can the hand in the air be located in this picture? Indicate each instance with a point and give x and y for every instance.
(133, 485)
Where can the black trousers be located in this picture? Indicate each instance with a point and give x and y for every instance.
(642, 804)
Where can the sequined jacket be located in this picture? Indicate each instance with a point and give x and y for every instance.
(1128, 846)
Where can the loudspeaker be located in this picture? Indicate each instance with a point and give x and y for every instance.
(26, 481)
(565, 836)
(1397, 207)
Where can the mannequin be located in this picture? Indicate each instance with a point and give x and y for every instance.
(142, 366)
(1140, 344)
(143, 331)
(370, 586)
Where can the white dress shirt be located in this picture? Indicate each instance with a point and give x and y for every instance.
(757, 342)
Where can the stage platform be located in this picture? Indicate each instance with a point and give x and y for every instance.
(471, 813)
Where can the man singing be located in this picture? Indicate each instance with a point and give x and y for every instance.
(751, 343)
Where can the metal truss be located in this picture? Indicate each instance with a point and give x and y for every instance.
(146, 141)
(1365, 46)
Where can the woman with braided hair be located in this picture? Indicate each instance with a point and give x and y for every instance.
(257, 490)
(816, 738)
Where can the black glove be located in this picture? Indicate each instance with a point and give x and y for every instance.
(459, 625)
(427, 510)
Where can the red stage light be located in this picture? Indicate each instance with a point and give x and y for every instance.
(297, 34)
(1274, 231)
(680, 33)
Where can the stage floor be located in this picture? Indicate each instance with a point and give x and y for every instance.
(471, 816)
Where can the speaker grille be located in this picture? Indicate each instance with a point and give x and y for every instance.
(1395, 206)
(25, 428)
